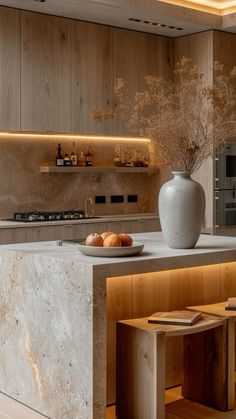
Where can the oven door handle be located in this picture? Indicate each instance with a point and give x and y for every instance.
(217, 164)
(217, 212)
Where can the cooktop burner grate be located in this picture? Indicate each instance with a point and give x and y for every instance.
(28, 217)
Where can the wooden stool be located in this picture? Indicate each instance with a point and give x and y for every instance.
(218, 309)
(141, 366)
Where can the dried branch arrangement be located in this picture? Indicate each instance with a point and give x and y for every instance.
(185, 119)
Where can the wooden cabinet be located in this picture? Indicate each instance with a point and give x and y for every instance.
(73, 231)
(80, 231)
(45, 73)
(44, 233)
(137, 54)
(134, 226)
(13, 235)
(9, 69)
(91, 76)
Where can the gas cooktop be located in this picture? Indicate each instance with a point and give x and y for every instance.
(28, 217)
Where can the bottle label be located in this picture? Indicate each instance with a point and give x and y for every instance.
(67, 163)
(60, 162)
(74, 160)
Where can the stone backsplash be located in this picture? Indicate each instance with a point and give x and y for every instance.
(24, 188)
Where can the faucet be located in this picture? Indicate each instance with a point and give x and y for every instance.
(88, 207)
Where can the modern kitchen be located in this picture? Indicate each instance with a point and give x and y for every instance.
(100, 227)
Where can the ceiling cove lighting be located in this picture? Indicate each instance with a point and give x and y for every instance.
(55, 136)
(218, 7)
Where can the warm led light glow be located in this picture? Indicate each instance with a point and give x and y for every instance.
(220, 7)
(72, 137)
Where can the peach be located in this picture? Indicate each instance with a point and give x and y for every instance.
(94, 239)
(106, 234)
(113, 240)
(126, 240)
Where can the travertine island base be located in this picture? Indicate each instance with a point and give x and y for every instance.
(53, 318)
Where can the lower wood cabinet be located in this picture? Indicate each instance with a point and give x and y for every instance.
(44, 233)
(74, 231)
(13, 235)
(80, 231)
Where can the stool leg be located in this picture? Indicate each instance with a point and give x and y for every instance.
(140, 385)
(231, 363)
(205, 368)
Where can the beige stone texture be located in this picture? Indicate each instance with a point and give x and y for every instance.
(24, 188)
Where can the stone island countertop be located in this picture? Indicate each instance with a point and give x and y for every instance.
(53, 318)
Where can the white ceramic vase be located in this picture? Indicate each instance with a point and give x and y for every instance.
(181, 209)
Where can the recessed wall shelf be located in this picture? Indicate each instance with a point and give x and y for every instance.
(98, 169)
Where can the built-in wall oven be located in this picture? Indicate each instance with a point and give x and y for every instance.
(225, 186)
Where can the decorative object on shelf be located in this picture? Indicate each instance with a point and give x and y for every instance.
(186, 120)
(130, 156)
(181, 210)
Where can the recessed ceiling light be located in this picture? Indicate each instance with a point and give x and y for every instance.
(160, 25)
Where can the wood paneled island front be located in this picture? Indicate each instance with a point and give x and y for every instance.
(59, 307)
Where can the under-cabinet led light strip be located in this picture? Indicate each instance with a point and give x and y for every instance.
(72, 137)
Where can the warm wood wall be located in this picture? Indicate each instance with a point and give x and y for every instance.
(54, 70)
(199, 47)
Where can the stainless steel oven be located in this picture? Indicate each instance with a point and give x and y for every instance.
(225, 186)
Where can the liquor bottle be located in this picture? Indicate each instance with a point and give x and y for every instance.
(88, 158)
(59, 157)
(67, 160)
(82, 159)
(73, 157)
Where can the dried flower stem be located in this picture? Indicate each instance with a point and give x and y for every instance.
(186, 119)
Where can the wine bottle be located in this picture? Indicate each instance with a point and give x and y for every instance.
(88, 158)
(59, 157)
(73, 157)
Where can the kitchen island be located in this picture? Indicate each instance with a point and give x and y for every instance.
(53, 313)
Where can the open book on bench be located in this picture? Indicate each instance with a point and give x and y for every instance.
(231, 304)
(179, 317)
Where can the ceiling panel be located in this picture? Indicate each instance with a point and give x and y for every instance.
(154, 16)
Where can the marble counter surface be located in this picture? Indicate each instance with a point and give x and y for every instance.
(156, 254)
(53, 318)
(99, 219)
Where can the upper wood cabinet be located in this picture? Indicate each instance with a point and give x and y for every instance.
(9, 69)
(45, 73)
(137, 54)
(91, 76)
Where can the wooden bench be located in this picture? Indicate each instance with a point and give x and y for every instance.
(218, 309)
(141, 366)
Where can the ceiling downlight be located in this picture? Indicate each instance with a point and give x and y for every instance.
(158, 24)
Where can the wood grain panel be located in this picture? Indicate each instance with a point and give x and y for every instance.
(228, 280)
(206, 352)
(119, 307)
(138, 54)
(13, 235)
(199, 47)
(45, 73)
(9, 69)
(140, 373)
(91, 76)
(224, 47)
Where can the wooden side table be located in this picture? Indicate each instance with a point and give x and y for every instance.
(141, 366)
(218, 309)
